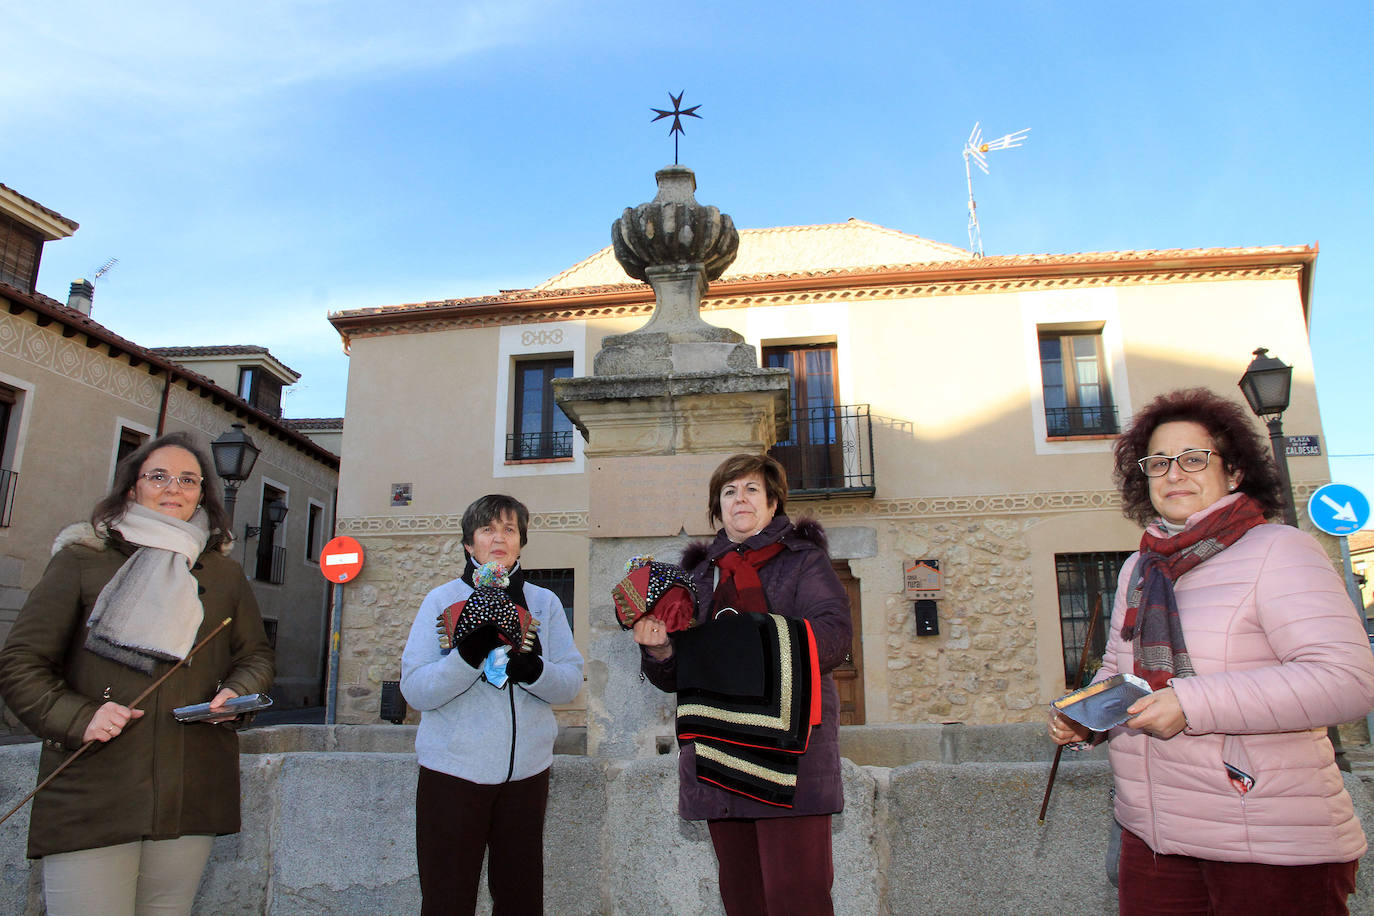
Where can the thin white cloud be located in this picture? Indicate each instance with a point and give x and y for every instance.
(73, 53)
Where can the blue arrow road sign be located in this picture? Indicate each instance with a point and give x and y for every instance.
(1338, 509)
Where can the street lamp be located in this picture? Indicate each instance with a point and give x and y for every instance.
(235, 454)
(276, 514)
(1267, 384)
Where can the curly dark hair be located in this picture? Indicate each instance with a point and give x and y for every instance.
(112, 505)
(1237, 442)
(736, 466)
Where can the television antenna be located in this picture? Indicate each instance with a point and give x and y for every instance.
(976, 148)
(104, 269)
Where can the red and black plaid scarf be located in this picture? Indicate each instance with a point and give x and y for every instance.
(1151, 610)
(739, 586)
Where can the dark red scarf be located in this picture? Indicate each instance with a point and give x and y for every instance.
(739, 586)
(1151, 610)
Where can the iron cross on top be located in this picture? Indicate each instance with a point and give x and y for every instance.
(677, 114)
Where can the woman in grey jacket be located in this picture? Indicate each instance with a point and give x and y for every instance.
(485, 741)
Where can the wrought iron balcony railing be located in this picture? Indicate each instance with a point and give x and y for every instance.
(9, 483)
(1081, 421)
(272, 566)
(829, 451)
(539, 446)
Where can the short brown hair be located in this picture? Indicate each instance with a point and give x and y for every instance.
(490, 508)
(1238, 444)
(742, 465)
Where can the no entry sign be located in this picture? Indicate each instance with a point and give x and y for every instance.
(342, 559)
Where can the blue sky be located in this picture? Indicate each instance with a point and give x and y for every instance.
(256, 165)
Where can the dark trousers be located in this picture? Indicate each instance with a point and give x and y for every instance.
(1150, 885)
(774, 866)
(457, 821)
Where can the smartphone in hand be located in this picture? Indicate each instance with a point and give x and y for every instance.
(233, 707)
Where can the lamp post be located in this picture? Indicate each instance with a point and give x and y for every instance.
(235, 454)
(1266, 385)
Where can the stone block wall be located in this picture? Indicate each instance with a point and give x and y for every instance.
(332, 831)
(982, 667)
(379, 609)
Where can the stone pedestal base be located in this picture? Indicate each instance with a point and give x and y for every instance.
(652, 443)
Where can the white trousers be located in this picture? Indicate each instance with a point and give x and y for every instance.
(131, 879)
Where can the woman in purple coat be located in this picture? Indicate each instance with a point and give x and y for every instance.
(772, 857)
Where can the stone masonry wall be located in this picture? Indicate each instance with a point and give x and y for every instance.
(982, 666)
(379, 608)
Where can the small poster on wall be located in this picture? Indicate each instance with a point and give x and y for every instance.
(921, 579)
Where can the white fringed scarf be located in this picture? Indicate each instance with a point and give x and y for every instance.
(150, 609)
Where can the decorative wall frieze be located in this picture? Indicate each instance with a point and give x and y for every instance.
(569, 521)
(45, 348)
(997, 504)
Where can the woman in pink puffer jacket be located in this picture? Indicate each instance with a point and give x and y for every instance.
(1226, 783)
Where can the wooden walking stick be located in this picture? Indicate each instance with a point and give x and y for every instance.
(1078, 682)
(138, 699)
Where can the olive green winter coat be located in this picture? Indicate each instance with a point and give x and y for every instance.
(160, 778)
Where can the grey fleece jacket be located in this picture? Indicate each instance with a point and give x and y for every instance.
(475, 731)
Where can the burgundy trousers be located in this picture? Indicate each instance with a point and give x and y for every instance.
(1150, 884)
(457, 822)
(774, 866)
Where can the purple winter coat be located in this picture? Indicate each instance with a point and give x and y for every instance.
(798, 582)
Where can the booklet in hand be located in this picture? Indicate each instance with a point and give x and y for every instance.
(233, 707)
(1103, 705)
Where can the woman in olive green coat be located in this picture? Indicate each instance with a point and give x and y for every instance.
(128, 825)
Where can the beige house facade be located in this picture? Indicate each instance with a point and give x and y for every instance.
(75, 397)
(945, 408)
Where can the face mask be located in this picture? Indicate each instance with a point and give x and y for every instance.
(494, 667)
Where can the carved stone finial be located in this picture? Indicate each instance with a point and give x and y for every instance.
(677, 246)
(674, 229)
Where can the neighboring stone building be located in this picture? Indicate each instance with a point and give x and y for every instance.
(945, 407)
(326, 432)
(76, 397)
(1362, 564)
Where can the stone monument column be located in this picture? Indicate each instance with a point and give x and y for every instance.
(664, 406)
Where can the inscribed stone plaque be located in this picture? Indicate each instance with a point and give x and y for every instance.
(650, 496)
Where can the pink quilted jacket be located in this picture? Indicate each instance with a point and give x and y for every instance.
(1280, 654)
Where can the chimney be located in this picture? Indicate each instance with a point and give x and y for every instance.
(83, 291)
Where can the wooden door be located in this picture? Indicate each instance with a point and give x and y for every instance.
(849, 674)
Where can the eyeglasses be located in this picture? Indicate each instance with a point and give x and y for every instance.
(159, 480)
(1192, 461)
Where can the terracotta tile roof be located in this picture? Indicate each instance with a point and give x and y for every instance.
(946, 267)
(71, 223)
(95, 331)
(315, 424)
(227, 350)
(787, 250)
(233, 350)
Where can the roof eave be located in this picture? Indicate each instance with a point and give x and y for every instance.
(48, 223)
(981, 270)
(49, 310)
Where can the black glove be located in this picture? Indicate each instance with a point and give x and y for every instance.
(526, 667)
(477, 645)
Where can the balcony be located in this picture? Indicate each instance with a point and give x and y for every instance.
(828, 452)
(271, 565)
(1061, 422)
(9, 482)
(539, 446)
